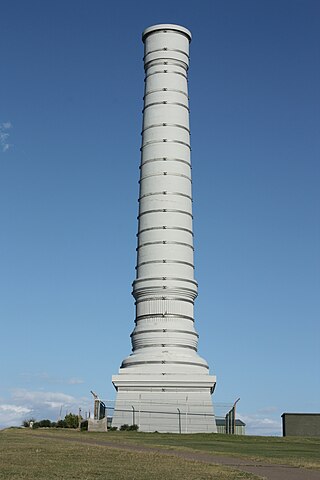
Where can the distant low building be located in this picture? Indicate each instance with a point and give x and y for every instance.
(239, 430)
(301, 424)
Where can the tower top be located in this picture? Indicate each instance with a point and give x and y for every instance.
(166, 26)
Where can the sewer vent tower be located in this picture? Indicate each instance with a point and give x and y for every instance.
(164, 385)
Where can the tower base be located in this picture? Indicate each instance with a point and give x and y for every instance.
(164, 408)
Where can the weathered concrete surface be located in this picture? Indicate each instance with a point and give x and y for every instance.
(97, 425)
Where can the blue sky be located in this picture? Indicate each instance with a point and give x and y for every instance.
(71, 92)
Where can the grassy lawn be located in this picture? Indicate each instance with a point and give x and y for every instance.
(295, 451)
(25, 455)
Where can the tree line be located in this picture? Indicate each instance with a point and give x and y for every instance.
(70, 421)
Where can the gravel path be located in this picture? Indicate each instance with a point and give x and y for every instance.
(266, 471)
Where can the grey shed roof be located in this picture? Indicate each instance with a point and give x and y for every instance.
(222, 421)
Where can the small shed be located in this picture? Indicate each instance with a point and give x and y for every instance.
(301, 424)
(239, 430)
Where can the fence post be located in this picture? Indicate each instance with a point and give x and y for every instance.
(133, 415)
(187, 414)
(139, 409)
(179, 414)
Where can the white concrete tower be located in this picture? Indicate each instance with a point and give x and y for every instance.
(164, 384)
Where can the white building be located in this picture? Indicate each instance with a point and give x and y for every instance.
(164, 385)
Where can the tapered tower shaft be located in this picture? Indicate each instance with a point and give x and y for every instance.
(164, 371)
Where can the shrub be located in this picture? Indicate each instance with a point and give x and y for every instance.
(61, 424)
(134, 428)
(126, 427)
(71, 420)
(26, 423)
(44, 423)
(84, 425)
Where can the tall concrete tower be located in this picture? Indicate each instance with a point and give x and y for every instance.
(164, 384)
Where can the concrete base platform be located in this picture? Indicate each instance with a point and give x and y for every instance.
(97, 425)
(169, 411)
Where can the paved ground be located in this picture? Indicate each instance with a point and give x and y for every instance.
(264, 470)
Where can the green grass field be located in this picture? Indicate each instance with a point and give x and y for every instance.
(295, 451)
(41, 454)
(26, 455)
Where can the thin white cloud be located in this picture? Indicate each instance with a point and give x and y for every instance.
(4, 136)
(36, 398)
(268, 410)
(75, 381)
(13, 414)
(262, 424)
(38, 404)
(46, 378)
